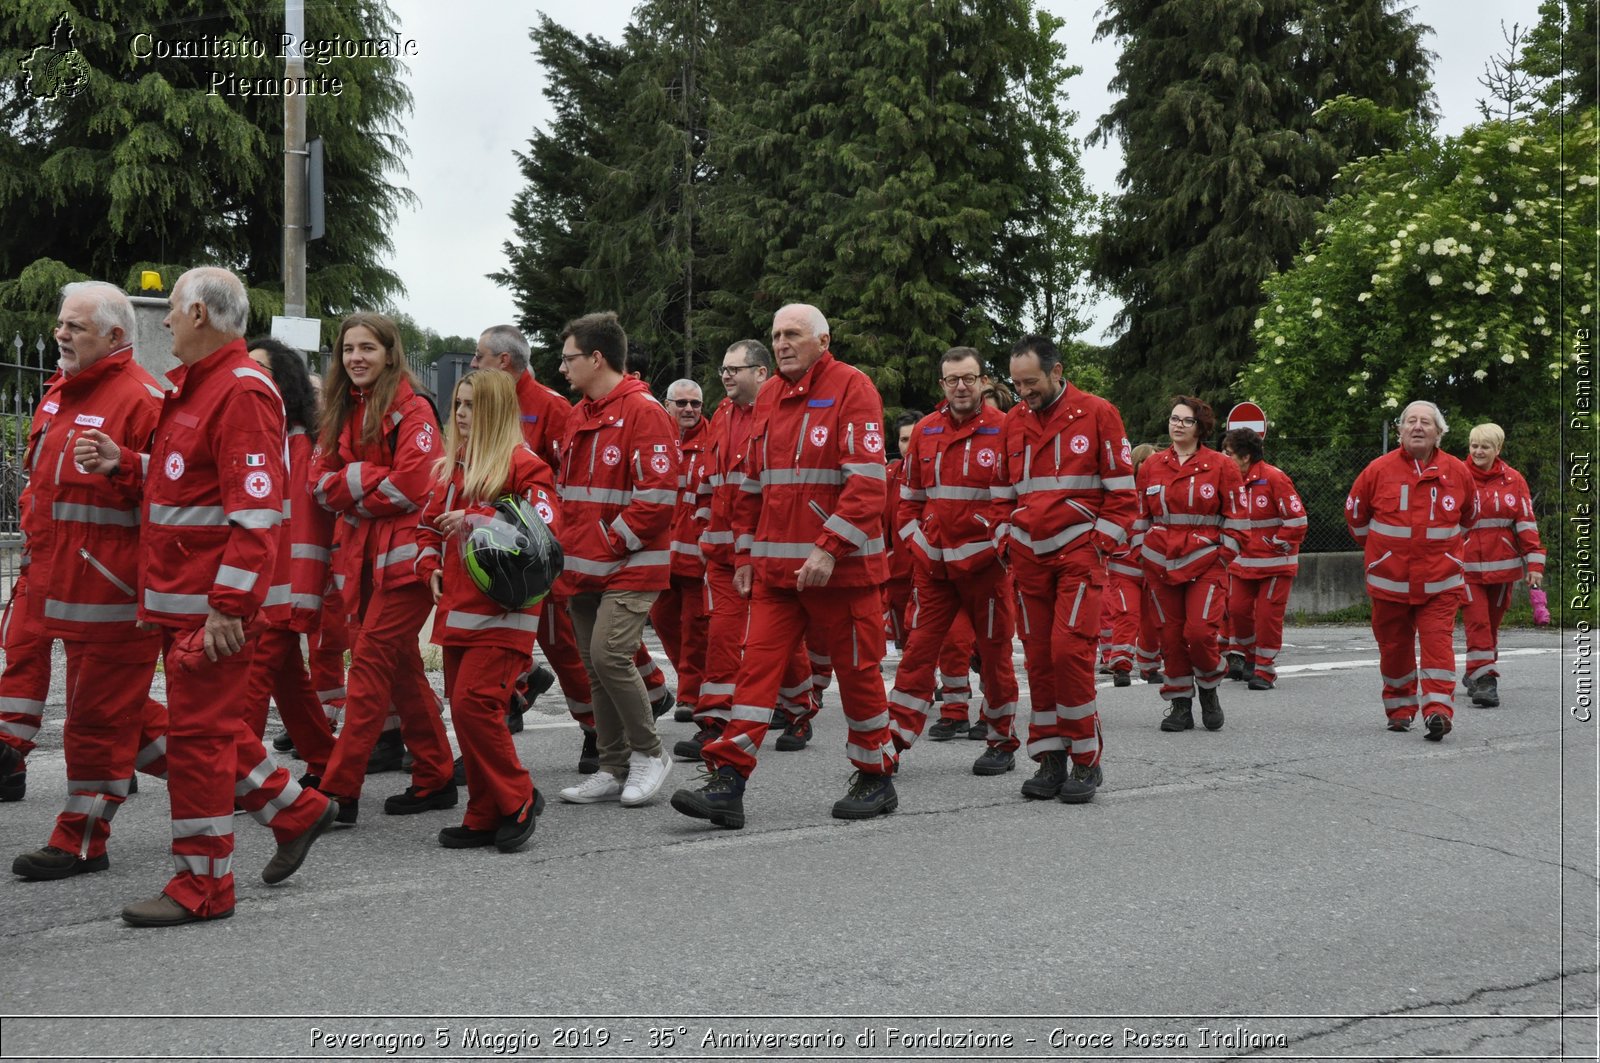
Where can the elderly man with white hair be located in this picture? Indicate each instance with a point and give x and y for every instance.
(1411, 510)
(680, 615)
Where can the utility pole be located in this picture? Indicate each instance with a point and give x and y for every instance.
(294, 165)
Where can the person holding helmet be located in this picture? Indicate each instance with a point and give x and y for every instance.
(1259, 579)
(486, 611)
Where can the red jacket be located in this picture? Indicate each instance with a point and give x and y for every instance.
(1504, 544)
(1274, 524)
(899, 553)
(545, 417)
(727, 439)
(1066, 479)
(377, 489)
(465, 615)
(81, 538)
(1189, 513)
(302, 570)
(1411, 520)
(687, 560)
(947, 514)
(213, 487)
(814, 477)
(618, 488)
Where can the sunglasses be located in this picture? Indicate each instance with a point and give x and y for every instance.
(681, 403)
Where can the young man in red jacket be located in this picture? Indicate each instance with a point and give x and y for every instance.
(619, 482)
(808, 542)
(82, 541)
(1066, 475)
(212, 490)
(1411, 510)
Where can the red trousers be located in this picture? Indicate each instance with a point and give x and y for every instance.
(1399, 628)
(847, 622)
(955, 666)
(1255, 621)
(560, 648)
(984, 601)
(112, 725)
(1120, 612)
(1485, 606)
(386, 663)
(25, 684)
(1059, 617)
(1190, 615)
(328, 645)
(479, 680)
(278, 672)
(897, 610)
(679, 617)
(728, 628)
(212, 761)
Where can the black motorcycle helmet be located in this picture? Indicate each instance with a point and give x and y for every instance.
(511, 556)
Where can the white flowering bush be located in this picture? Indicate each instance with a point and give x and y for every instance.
(1436, 273)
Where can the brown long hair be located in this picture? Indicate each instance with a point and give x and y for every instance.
(337, 405)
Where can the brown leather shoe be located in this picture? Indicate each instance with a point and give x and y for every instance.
(52, 863)
(292, 853)
(164, 911)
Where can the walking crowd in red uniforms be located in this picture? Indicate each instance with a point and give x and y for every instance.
(215, 521)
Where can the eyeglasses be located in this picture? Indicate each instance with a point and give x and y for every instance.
(681, 403)
(958, 381)
(568, 359)
(1187, 422)
(731, 370)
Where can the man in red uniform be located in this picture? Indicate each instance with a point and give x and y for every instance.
(212, 489)
(1260, 578)
(679, 615)
(546, 415)
(1410, 510)
(618, 486)
(808, 538)
(82, 541)
(746, 365)
(1067, 477)
(947, 520)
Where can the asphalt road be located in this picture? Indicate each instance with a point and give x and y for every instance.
(1302, 883)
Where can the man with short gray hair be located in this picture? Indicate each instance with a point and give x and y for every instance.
(679, 614)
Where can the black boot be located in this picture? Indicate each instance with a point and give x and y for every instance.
(1210, 709)
(1486, 694)
(1046, 782)
(1180, 715)
(388, 755)
(720, 798)
(1236, 666)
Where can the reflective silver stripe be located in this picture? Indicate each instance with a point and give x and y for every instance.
(1059, 483)
(1111, 531)
(277, 594)
(1405, 497)
(1526, 525)
(787, 477)
(237, 578)
(1210, 519)
(1438, 673)
(309, 552)
(686, 549)
(1054, 542)
(1405, 702)
(917, 494)
(256, 518)
(1394, 530)
(1494, 566)
(1398, 680)
(187, 604)
(246, 371)
(21, 706)
(966, 550)
(1444, 533)
(388, 490)
(1359, 531)
(204, 866)
(1258, 524)
(209, 827)
(717, 538)
(643, 559)
(629, 539)
(407, 552)
(1076, 712)
(871, 470)
(1443, 585)
(1003, 492)
(1267, 562)
(85, 613)
(257, 777)
(1388, 584)
(352, 479)
(306, 601)
(1117, 483)
(751, 714)
(871, 723)
(189, 516)
(763, 548)
(465, 621)
(1535, 558)
(662, 496)
(954, 494)
(744, 542)
(601, 495)
(1297, 522)
(144, 465)
(847, 531)
(89, 787)
(1177, 562)
(716, 690)
(77, 511)
(1493, 522)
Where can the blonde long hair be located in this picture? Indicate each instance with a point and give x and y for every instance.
(337, 405)
(485, 455)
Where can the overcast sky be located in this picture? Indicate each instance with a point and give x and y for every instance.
(478, 98)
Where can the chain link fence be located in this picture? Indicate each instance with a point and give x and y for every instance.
(1323, 476)
(24, 368)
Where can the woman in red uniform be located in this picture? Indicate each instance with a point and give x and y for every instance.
(1504, 547)
(486, 646)
(374, 469)
(1188, 505)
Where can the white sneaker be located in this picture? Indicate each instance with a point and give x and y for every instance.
(645, 776)
(601, 786)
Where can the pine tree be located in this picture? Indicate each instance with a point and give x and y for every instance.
(1225, 166)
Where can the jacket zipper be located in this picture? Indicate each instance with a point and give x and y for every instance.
(62, 457)
(83, 552)
(799, 444)
(966, 458)
(1433, 499)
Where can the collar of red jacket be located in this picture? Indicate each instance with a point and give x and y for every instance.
(1063, 407)
(219, 358)
(1202, 455)
(1493, 472)
(807, 381)
(589, 409)
(694, 439)
(90, 376)
(984, 416)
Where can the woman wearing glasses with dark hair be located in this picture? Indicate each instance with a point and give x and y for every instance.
(1188, 513)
